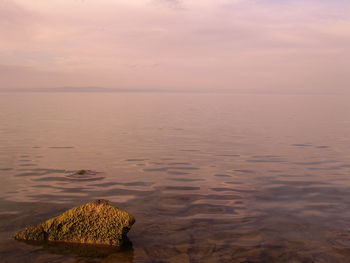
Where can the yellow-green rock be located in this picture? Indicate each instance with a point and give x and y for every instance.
(97, 222)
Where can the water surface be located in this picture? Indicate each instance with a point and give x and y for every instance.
(209, 177)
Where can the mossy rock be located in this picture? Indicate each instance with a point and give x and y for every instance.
(96, 222)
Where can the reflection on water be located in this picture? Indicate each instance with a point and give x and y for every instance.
(104, 253)
(209, 177)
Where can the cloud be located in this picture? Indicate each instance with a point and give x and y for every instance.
(243, 44)
(173, 4)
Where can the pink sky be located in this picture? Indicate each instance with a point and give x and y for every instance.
(236, 45)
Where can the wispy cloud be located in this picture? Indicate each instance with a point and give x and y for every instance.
(242, 44)
(173, 4)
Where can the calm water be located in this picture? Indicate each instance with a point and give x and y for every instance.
(209, 177)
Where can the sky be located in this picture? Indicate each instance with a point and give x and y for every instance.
(265, 46)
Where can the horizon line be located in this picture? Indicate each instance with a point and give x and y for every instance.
(133, 90)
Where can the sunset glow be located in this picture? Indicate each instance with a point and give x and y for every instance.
(196, 45)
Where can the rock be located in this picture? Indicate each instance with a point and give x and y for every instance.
(82, 172)
(96, 222)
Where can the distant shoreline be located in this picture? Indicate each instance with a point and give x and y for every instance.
(110, 90)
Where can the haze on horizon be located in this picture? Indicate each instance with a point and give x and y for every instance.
(231, 45)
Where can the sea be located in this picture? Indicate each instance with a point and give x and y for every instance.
(209, 177)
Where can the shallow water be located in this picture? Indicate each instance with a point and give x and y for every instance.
(209, 177)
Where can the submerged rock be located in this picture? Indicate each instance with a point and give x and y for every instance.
(96, 222)
(82, 173)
